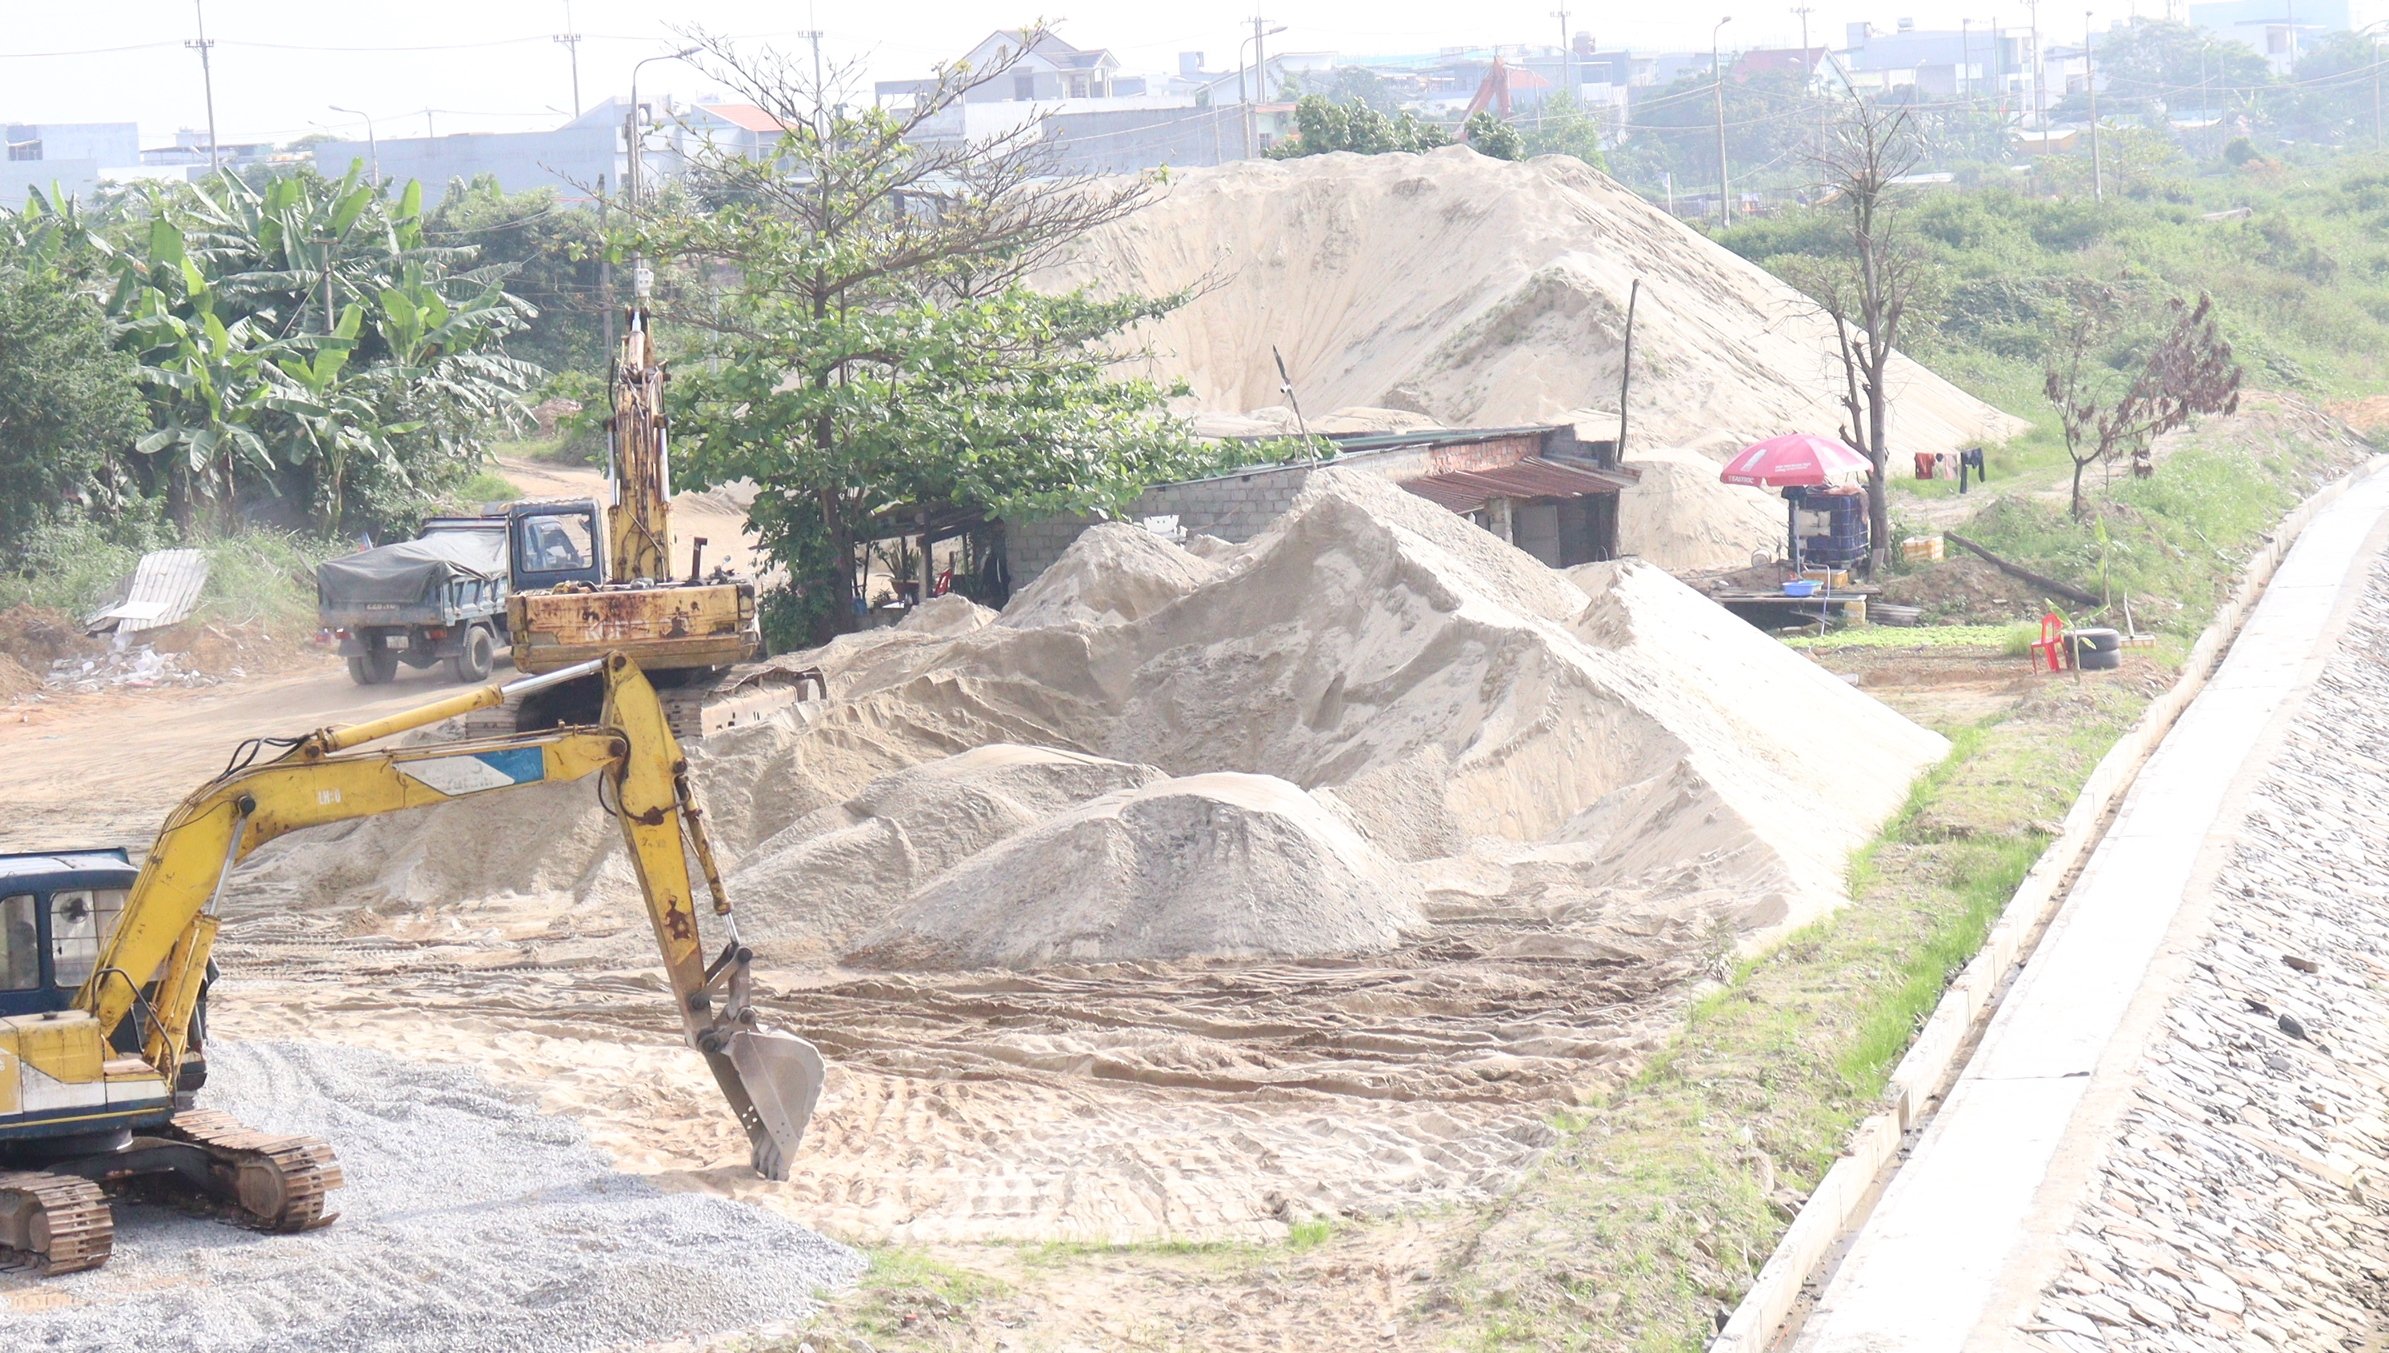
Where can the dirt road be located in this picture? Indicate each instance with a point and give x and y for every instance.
(102, 769)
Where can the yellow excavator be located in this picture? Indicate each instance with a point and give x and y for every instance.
(580, 590)
(104, 968)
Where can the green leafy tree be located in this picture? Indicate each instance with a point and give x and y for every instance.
(1322, 126)
(872, 351)
(69, 403)
(1489, 135)
(550, 252)
(1564, 126)
(1344, 85)
(2156, 66)
(300, 343)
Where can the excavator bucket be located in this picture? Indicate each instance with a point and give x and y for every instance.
(771, 1080)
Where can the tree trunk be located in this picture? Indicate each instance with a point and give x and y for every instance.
(1878, 450)
(2077, 505)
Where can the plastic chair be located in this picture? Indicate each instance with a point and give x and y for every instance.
(2052, 639)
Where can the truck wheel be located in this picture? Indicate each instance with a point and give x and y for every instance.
(373, 669)
(473, 660)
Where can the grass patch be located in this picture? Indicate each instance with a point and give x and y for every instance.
(1309, 1234)
(259, 576)
(486, 486)
(2007, 639)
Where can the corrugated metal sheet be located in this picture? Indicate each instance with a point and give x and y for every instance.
(166, 585)
(1468, 490)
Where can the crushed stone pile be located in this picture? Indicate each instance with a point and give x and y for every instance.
(470, 1223)
(1206, 866)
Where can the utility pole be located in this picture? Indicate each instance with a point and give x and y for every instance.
(1725, 211)
(1567, 57)
(1251, 100)
(2040, 87)
(207, 78)
(1260, 74)
(1809, 73)
(605, 266)
(571, 42)
(2090, 85)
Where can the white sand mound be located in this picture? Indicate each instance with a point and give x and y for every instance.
(1681, 518)
(1605, 745)
(841, 869)
(1209, 866)
(1481, 293)
(946, 616)
(1112, 572)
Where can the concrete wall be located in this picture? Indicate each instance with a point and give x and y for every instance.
(520, 160)
(72, 178)
(1122, 142)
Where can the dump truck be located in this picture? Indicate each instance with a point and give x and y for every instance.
(438, 598)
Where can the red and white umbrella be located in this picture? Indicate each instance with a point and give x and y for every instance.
(1796, 460)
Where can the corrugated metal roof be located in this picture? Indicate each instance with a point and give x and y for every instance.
(1534, 477)
(165, 587)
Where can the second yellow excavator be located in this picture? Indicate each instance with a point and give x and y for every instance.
(104, 969)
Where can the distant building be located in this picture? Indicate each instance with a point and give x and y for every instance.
(575, 159)
(1943, 62)
(68, 158)
(2282, 32)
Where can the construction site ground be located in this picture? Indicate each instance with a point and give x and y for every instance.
(961, 1169)
(1224, 1155)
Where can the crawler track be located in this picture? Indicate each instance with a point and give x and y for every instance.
(71, 1226)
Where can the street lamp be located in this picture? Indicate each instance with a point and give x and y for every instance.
(636, 134)
(373, 147)
(1248, 100)
(1725, 213)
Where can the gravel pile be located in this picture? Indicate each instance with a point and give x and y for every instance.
(2240, 1204)
(470, 1223)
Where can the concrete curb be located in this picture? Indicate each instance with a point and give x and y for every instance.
(1933, 1060)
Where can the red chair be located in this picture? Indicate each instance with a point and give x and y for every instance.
(2052, 639)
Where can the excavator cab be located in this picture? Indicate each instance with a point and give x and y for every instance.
(555, 543)
(57, 910)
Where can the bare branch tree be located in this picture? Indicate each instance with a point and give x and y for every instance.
(2190, 370)
(1881, 273)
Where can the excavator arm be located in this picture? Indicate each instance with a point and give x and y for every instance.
(170, 918)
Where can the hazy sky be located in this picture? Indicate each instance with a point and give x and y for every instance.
(493, 64)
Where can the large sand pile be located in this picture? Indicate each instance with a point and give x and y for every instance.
(1478, 293)
(1608, 742)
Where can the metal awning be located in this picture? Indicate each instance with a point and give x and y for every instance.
(1466, 491)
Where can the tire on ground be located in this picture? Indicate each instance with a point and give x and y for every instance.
(474, 656)
(374, 668)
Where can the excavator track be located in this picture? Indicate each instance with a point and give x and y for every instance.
(65, 1222)
(260, 1180)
